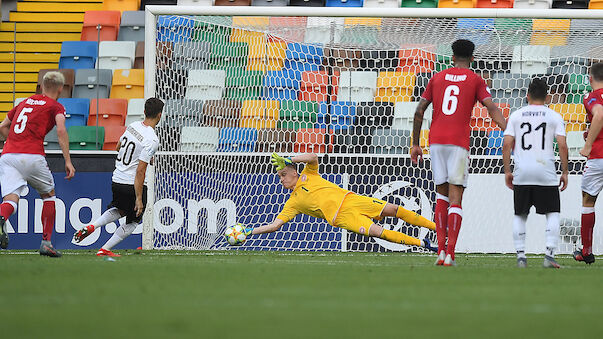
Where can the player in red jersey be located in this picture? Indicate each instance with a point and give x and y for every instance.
(23, 159)
(453, 93)
(592, 177)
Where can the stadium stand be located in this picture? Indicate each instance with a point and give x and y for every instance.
(86, 137)
(121, 5)
(100, 25)
(116, 54)
(111, 112)
(78, 54)
(131, 26)
(92, 83)
(112, 135)
(76, 111)
(127, 84)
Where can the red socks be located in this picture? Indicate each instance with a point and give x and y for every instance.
(48, 217)
(7, 209)
(455, 218)
(441, 220)
(586, 229)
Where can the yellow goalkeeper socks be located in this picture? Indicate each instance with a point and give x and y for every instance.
(414, 218)
(399, 238)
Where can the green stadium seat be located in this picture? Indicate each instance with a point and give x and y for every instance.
(579, 85)
(243, 85)
(297, 114)
(420, 3)
(86, 137)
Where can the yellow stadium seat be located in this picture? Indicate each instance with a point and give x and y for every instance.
(574, 116)
(259, 113)
(266, 56)
(249, 36)
(551, 32)
(457, 3)
(121, 5)
(127, 84)
(395, 86)
(595, 4)
(362, 22)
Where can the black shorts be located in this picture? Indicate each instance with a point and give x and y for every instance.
(544, 198)
(124, 198)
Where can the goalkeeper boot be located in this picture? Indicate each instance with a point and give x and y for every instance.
(83, 233)
(106, 253)
(580, 256)
(448, 261)
(3, 234)
(549, 262)
(427, 245)
(48, 250)
(522, 262)
(441, 258)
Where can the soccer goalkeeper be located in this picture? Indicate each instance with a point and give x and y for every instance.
(317, 197)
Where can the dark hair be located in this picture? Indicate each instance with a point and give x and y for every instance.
(152, 107)
(538, 89)
(596, 71)
(463, 49)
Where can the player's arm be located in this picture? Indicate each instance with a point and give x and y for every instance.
(416, 152)
(272, 227)
(5, 127)
(141, 172)
(64, 143)
(280, 162)
(563, 155)
(593, 131)
(508, 145)
(495, 113)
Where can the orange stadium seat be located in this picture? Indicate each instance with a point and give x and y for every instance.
(481, 121)
(310, 140)
(314, 86)
(288, 28)
(417, 59)
(111, 112)
(69, 75)
(128, 84)
(109, 22)
(112, 135)
(120, 5)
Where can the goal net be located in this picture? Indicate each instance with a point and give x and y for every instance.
(239, 87)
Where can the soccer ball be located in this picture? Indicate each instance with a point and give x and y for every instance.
(235, 235)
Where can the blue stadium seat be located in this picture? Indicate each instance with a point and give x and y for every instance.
(476, 30)
(174, 28)
(237, 139)
(76, 111)
(302, 58)
(495, 141)
(281, 85)
(78, 54)
(341, 115)
(344, 3)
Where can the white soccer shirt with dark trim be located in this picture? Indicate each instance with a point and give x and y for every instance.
(139, 142)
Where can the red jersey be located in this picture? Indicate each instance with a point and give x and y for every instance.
(594, 98)
(31, 120)
(453, 93)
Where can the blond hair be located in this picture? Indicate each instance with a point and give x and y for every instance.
(53, 81)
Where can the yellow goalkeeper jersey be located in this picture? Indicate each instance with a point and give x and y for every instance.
(314, 196)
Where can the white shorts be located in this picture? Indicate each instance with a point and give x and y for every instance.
(17, 170)
(449, 164)
(592, 177)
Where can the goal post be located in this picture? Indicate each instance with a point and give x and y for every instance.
(242, 82)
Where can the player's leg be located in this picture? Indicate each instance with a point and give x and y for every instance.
(439, 167)
(112, 214)
(12, 184)
(411, 217)
(7, 208)
(522, 202)
(547, 202)
(592, 183)
(396, 237)
(458, 174)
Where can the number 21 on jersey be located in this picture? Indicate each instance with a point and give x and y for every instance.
(450, 101)
(22, 120)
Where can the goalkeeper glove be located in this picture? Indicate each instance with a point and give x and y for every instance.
(280, 162)
(247, 231)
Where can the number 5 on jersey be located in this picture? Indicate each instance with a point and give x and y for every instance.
(22, 120)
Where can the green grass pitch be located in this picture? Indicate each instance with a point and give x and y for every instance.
(295, 295)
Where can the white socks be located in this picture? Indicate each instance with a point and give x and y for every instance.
(519, 232)
(552, 233)
(110, 215)
(120, 234)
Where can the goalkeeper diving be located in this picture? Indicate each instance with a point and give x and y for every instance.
(320, 198)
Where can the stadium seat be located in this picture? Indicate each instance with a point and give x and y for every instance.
(421, 81)
(343, 3)
(563, 62)
(595, 4)
(127, 84)
(374, 115)
(379, 60)
(143, 3)
(533, 4)
(495, 141)
(478, 30)
(222, 113)
(191, 55)
(259, 114)
(570, 4)
(111, 112)
(273, 140)
(360, 30)
(456, 3)
(513, 31)
(551, 32)
(573, 114)
(478, 143)
(195, 2)
(78, 54)
(233, 139)
(76, 111)
(420, 3)
(494, 4)
(112, 136)
(199, 139)
(182, 113)
(269, 2)
(297, 115)
(232, 2)
(229, 55)
(510, 89)
(51, 140)
(205, 84)
(342, 115)
(136, 111)
(352, 140)
(391, 141)
(243, 85)
(579, 85)
(139, 55)
(109, 25)
(344, 60)
(395, 86)
(266, 56)
(68, 74)
(531, 59)
(575, 142)
(288, 28)
(281, 85)
(86, 137)
(314, 86)
(357, 86)
(121, 5)
(381, 3)
(310, 140)
(318, 30)
(417, 59)
(481, 121)
(302, 57)
(404, 114)
(131, 27)
(174, 28)
(92, 83)
(307, 3)
(116, 54)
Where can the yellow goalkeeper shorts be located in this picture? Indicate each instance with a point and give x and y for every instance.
(357, 213)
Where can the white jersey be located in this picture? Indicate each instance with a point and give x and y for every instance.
(534, 128)
(138, 143)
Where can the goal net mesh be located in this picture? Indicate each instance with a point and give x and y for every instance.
(239, 88)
